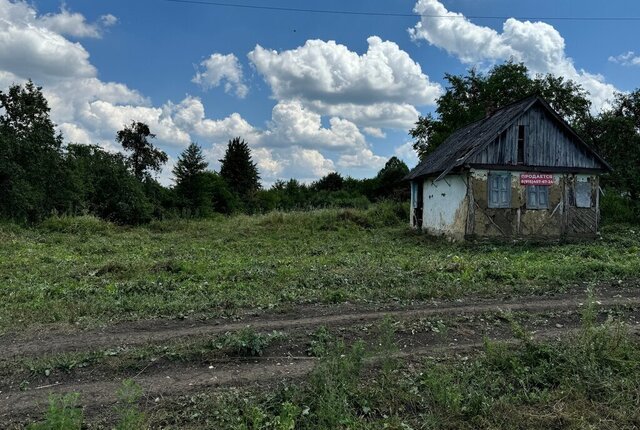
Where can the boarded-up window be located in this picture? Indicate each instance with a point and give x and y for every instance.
(537, 197)
(583, 194)
(499, 190)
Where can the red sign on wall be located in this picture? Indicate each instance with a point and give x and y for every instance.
(536, 179)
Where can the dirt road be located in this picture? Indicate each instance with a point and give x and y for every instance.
(467, 323)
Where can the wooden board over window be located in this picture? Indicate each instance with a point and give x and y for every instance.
(583, 194)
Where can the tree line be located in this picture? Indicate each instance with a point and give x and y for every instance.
(40, 175)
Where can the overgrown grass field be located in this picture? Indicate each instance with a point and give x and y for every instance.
(86, 271)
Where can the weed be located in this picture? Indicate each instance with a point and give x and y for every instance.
(332, 386)
(130, 416)
(246, 342)
(287, 418)
(61, 362)
(321, 342)
(63, 414)
(386, 347)
(87, 224)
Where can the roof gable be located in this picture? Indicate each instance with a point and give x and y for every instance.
(469, 140)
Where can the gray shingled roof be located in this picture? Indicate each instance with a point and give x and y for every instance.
(465, 141)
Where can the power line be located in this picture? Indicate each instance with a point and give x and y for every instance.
(405, 15)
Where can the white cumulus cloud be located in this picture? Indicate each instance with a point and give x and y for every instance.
(28, 48)
(309, 164)
(219, 69)
(363, 159)
(537, 44)
(375, 132)
(406, 153)
(75, 24)
(293, 123)
(383, 82)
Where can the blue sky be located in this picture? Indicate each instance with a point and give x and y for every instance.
(306, 106)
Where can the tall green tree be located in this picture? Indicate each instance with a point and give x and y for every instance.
(471, 97)
(238, 169)
(616, 134)
(32, 178)
(144, 157)
(331, 182)
(189, 179)
(106, 186)
(389, 179)
(218, 193)
(26, 116)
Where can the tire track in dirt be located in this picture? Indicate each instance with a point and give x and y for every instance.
(146, 332)
(18, 406)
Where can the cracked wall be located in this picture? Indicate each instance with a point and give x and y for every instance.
(519, 221)
(445, 206)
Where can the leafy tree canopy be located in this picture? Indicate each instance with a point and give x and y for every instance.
(144, 158)
(30, 156)
(331, 182)
(389, 182)
(393, 171)
(471, 97)
(105, 185)
(26, 116)
(616, 134)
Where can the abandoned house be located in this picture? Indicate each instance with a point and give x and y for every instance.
(521, 172)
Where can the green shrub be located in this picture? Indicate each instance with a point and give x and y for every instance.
(86, 224)
(321, 343)
(246, 342)
(10, 228)
(332, 388)
(618, 209)
(389, 213)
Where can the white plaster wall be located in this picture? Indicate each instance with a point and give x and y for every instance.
(445, 206)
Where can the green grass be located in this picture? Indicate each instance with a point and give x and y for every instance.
(243, 343)
(83, 271)
(589, 380)
(65, 412)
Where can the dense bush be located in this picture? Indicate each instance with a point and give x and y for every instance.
(615, 208)
(85, 224)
